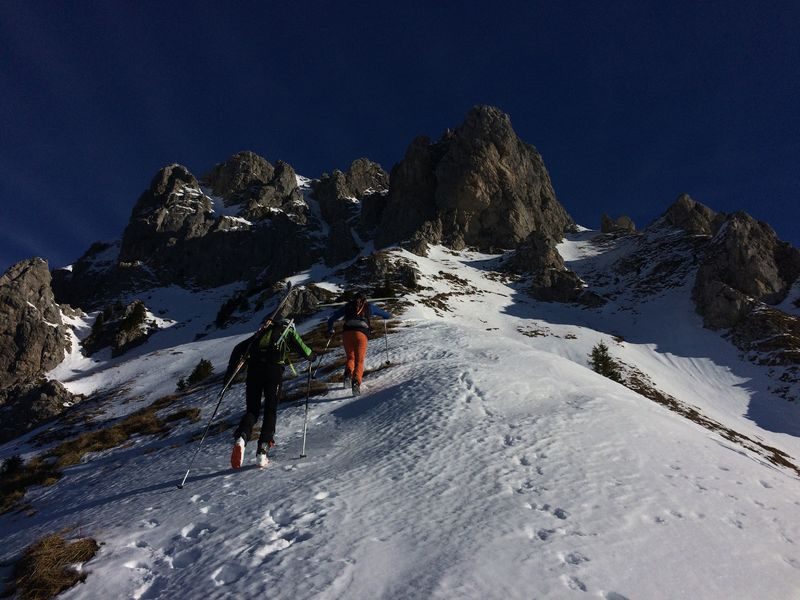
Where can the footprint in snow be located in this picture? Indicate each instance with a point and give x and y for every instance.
(192, 531)
(544, 534)
(573, 583)
(227, 574)
(560, 513)
(186, 558)
(573, 558)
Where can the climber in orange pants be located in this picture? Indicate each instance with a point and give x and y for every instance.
(355, 348)
(357, 327)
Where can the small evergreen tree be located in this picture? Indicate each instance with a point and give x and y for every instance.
(202, 371)
(601, 362)
(135, 318)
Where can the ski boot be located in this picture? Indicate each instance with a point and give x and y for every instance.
(262, 454)
(356, 388)
(238, 453)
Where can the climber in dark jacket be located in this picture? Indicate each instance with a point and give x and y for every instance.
(268, 356)
(355, 333)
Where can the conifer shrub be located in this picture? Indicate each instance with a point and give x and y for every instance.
(602, 362)
(135, 318)
(202, 371)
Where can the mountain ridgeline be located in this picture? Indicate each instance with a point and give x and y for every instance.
(478, 186)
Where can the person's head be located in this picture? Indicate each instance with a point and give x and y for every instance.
(360, 298)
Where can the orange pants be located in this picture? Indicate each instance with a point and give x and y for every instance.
(355, 347)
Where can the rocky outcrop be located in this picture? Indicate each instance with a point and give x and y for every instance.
(745, 264)
(120, 328)
(691, 216)
(249, 181)
(383, 273)
(33, 337)
(622, 224)
(352, 199)
(28, 405)
(478, 186)
(174, 236)
(551, 281)
(171, 211)
(362, 178)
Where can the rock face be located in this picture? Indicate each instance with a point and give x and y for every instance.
(33, 337)
(479, 185)
(745, 264)
(175, 237)
(28, 405)
(120, 328)
(353, 199)
(622, 224)
(249, 181)
(692, 217)
(551, 280)
(171, 211)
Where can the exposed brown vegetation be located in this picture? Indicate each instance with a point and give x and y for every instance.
(46, 567)
(637, 381)
(46, 469)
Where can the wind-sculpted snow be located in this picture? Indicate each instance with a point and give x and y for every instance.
(484, 462)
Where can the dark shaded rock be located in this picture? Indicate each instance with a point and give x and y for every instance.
(33, 337)
(235, 178)
(26, 406)
(372, 207)
(120, 328)
(354, 199)
(485, 186)
(622, 224)
(551, 281)
(304, 301)
(537, 253)
(174, 238)
(745, 264)
(171, 211)
(383, 273)
(692, 217)
(249, 181)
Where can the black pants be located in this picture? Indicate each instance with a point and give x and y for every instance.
(266, 382)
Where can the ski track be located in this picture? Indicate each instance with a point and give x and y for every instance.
(477, 466)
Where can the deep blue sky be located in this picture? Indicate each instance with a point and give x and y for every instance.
(630, 103)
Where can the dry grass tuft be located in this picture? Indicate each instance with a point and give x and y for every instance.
(46, 469)
(46, 567)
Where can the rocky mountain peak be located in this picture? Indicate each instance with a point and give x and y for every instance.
(172, 209)
(691, 216)
(745, 264)
(250, 181)
(479, 185)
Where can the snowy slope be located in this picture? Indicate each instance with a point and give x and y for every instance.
(487, 461)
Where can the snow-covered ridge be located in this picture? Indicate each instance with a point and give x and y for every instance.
(487, 460)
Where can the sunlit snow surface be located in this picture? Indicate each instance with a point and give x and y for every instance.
(486, 462)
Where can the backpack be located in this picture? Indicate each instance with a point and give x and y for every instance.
(266, 350)
(354, 320)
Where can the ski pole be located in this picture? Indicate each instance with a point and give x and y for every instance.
(305, 418)
(386, 338)
(211, 420)
(314, 376)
